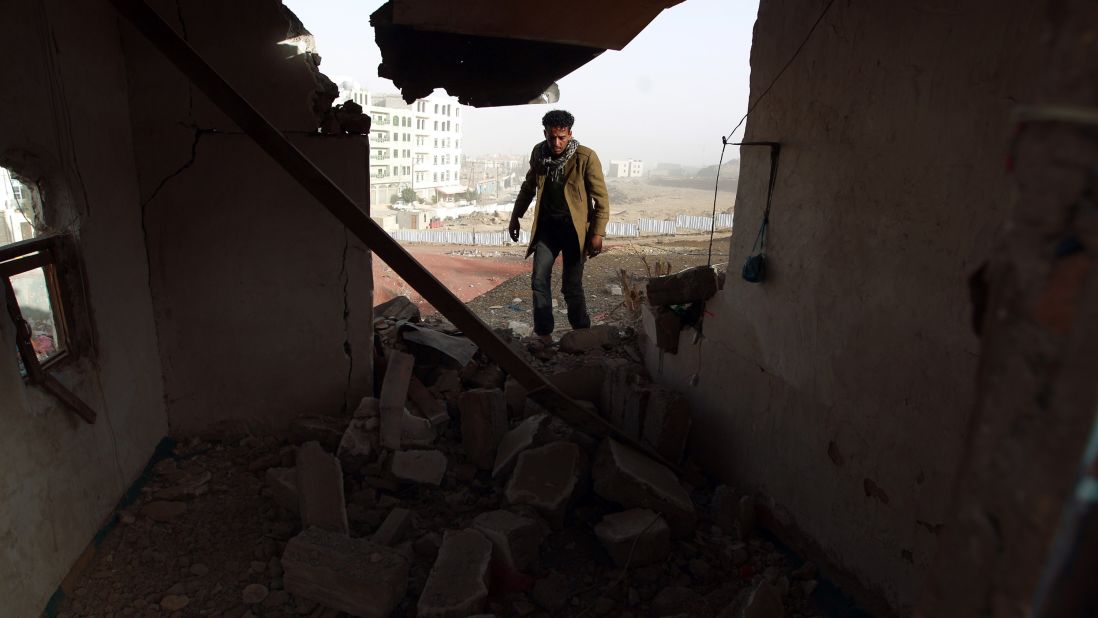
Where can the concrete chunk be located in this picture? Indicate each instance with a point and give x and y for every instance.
(417, 430)
(458, 583)
(283, 485)
(621, 378)
(666, 423)
(693, 284)
(582, 340)
(394, 527)
(355, 576)
(483, 423)
(527, 434)
(356, 449)
(394, 393)
(398, 308)
(320, 489)
(625, 476)
(515, 539)
(640, 533)
(423, 467)
(548, 479)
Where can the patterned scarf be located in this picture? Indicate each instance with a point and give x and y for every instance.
(554, 166)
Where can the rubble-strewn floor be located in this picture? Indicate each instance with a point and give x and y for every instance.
(207, 534)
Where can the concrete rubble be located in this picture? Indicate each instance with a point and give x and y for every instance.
(482, 489)
(458, 583)
(319, 482)
(356, 576)
(635, 537)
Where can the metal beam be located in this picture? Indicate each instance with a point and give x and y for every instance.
(149, 23)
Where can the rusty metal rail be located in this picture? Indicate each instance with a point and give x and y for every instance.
(150, 24)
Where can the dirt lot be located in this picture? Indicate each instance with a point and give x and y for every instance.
(490, 279)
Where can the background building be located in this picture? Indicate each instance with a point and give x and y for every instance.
(14, 202)
(626, 168)
(415, 146)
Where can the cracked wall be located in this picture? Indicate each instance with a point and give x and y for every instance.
(64, 123)
(840, 389)
(262, 299)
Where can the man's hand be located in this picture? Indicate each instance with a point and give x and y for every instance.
(513, 229)
(594, 245)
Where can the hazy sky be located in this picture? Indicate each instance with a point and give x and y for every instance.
(668, 96)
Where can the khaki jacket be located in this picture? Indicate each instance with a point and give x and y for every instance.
(584, 190)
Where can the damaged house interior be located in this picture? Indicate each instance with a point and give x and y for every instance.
(898, 419)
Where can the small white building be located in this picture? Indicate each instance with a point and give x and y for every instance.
(413, 220)
(626, 168)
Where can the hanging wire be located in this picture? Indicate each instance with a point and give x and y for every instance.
(726, 139)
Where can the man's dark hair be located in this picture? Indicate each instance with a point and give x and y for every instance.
(558, 119)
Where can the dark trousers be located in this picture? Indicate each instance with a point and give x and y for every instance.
(556, 237)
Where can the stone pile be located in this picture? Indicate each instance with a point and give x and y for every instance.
(453, 484)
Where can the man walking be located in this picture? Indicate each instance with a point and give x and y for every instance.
(570, 218)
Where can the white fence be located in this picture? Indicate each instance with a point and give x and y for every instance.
(657, 226)
(617, 228)
(449, 237)
(693, 222)
(662, 227)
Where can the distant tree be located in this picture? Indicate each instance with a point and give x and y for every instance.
(471, 196)
(408, 196)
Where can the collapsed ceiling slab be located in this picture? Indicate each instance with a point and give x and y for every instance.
(496, 52)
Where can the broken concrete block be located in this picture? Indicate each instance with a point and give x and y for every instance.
(447, 384)
(424, 402)
(583, 340)
(527, 434)
(693, 284)
(416, 430)
(666, 424)
(394, 527)
(423, 467)
(622, 377)
(636, 537)
(369, 407)
(356, 448)
(548, 478)
(483, 423)
(458, 583)
(633, 480)
(515, 539)
(320, 489)
(398, 308)
(327, 430)
(394, 392)
(355, 576)
(283, 485)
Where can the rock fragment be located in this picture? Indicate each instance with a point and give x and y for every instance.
(628, 477)
(394, 527)
(320, 489)
(483, 423)
(515, 539)
(423, 467)
(636, 537)
(355, 576)
(547, 478)
(582, 340)
(458, 583)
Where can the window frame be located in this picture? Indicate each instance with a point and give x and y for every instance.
(47, 253)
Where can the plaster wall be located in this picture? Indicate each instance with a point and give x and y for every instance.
(64, 124)
(840, 389)
(262, 299)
